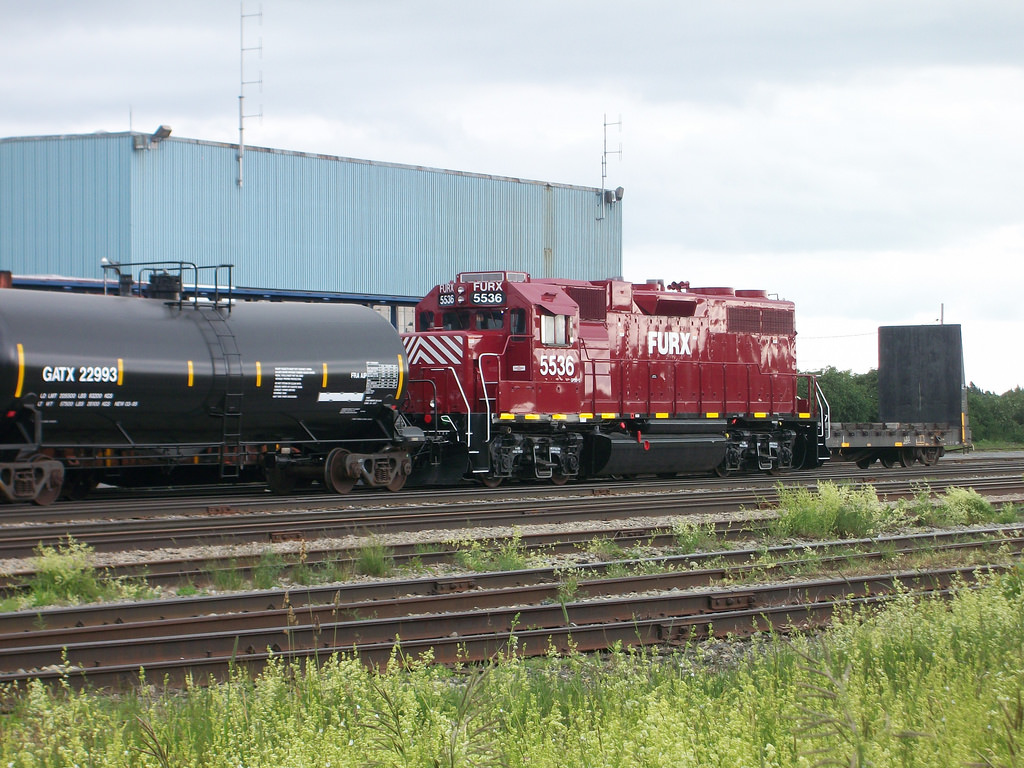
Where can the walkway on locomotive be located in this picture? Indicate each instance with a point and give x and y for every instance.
(517, 349)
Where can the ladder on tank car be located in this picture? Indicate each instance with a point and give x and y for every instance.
(227, 361)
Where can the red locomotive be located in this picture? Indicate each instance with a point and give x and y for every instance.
(513, 377)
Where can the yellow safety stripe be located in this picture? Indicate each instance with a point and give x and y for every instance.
(21, 371)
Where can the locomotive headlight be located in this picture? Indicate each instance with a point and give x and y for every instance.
(462, 289)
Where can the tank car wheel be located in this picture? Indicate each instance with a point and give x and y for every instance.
(487, 481)
(279, 482)
(557, 478)
(397, 482)
(335, 475)
(722, 471)
(51, 490)
(78, 485)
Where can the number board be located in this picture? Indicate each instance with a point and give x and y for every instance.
(487, 298)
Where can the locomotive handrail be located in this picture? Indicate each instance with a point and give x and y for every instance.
(825, 422)
(483, 386)
(465, 400)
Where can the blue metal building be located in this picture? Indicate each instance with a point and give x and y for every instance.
(299, 221)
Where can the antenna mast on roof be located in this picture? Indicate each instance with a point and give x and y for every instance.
(243, 82)
(604, 164)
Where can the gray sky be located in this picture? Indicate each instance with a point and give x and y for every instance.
(862, 158)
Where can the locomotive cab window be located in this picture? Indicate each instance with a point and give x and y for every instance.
(555, 330)
(489, 320)
(426, 321)
(517, 322)
(456, 321)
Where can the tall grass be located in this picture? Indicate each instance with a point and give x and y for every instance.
(65, 575)
(854, 511)
(922, 684)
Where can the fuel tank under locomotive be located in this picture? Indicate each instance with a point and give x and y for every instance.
(84, 378)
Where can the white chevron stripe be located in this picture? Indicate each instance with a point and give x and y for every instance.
(434, 350)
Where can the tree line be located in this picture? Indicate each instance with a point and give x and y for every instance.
(993, 418)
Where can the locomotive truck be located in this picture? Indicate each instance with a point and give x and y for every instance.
(505, 377)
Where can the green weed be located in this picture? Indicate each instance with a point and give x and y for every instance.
(266, 574)
(374, 559)
(832, 510)
(507, 554)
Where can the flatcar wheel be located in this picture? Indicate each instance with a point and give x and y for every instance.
(489, 481)
(929, 456)
(51, 490)
(865, 462)
(888, 462)
(335, 475)
(906, 457)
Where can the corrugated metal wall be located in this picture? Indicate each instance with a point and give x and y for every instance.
(300, 221)
(64, 204)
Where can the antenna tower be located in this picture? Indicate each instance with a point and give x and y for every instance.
(604, 160)
(242, 16)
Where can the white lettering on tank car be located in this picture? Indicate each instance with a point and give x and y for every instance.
(340, 397)
(668, 343)
(58, 373)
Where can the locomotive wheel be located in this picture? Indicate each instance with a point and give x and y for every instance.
(52, 488)
(335, 475)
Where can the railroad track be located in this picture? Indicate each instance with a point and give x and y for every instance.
(202, 570)
(236, 526)
(133, 504)
(472, 618)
